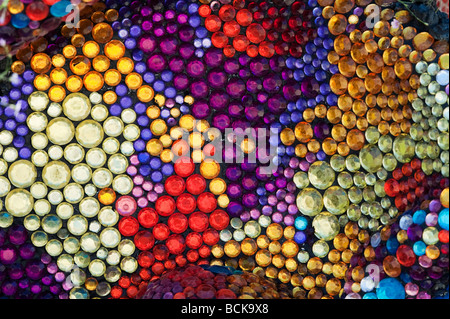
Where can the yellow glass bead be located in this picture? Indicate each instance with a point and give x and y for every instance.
(15, 6)
(248, 145)
(101, 63)
(175, 112)
(445, 197)
(74, 83)
(263, 241)
(133, 81)
(196, 140)
(42, 82)
(109, 97)
(125, 65)
(58, 60)
(274, 231)
(154, 147)
(69, 51)
(166, 140)
(432, 252)
(56, 93)
(287, 136)
(80, 65)
(217, 186)
(106, 196)
(223, 201)
(114, 49)
(91, 49)
(209, 169)
(41, 63)
(197, 156)
(289, 248)
(188, 99)
(160, 100)
(112, 77)
(58, 76)
(232, 248)
(263, 258)
(248, 247)
(166, 156)
(158, 127)
(93, 81)
(153, 112)
(145, 93)
(187, 122)
(275, 247)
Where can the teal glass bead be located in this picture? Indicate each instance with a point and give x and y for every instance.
(61, 8)
(419, 248)
(19, 21)
(443, 219)
(390, 288)
(419, 217)
(301, 223)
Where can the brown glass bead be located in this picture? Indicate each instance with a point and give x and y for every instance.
(387, 88)
(356, 88)
(404, 51)
(405, 125)
(324, 3)
(363, 3)
(375, 63)
(111, 15)
(355, 140)
(396, 31)
(24, 54)
(403, 68)
(355, 36)
(337, 24)
(338, 132)
(422, 41)
(373, 83)
(415, 57)
(414, 81)
(395, 129)
(386, 114)
(403, 16)
(409, 33)
(102, 32)
(328, 12)
(387, 14)
(67, 31)
(367, 35)
(85, 26)
(359, 53)
(99, 6)
(98, 17)
(391, 266)
(362, 71)
(342, 45)
(441, 47)
(344, 6)
(39, 45)
(390, 56)
(397, 42)
(381, 28)
(338, 84)
(347, 66)
(384, 43)
(77, 40)
(405, 86)
(383, 127)
(388, 74)
(18, 67)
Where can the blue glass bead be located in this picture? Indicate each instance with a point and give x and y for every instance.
(375, 240)
(206, 43)
(328, 43)
(310, 48)
(193, 8)
(301, 223)
(405, 277)
(307, 58)
(275, 126)
(299, 75)
(4, 100)
(291, 107)
(121, 90)
(318, 42)
(321, 75)
(321, 156)
(319, 21)
(19, 21)
(20, 117)
(390, 288)
(10, 124)
(419, 248)
(317, 11)
(22, 130)
(22, 104)
(312, 3)
(311, 103)
(115, 110)
(392, 244)
(285, 119)
(296, 117)
(15, 94)
(124, 11)
(155, 163)
(144, 158)
(300, 237)
(184, 109)
(126, 102)
(290, 150)
(323, 31)
(148, 77)
(419, 217)
(443, 219)
(145, 170)
(299, 63)
(405, 221)
(140, 67)
(122, 33)
(143, 120)
(370, 295)
(138, 55)
(25, 153)
(261, 191)
(146, 134)
(130, 43)
(170, 92)
(139, 145)
(29, 75)
(320, 98)
(281, 150)
(334, 68)
(135, 31)
(442, 77)
(290, 62)
(167, 169)
(140, 108)
(194, 21)
(199, 53)
(332, 99)
(9, 111)
(1, 123)
(165, 113)
(61, 8)
(309, 70)
(116, 25)
(321, 53)
(197, 43)
(19, 141)
(325, 65)
(158, 86)
(167, 75)
(201, 32)
(300, 104)
(325, 88)
(263, 200)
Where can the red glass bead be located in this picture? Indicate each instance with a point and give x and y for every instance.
(148, 217)
(238, 4)
(231, 28)
(411, 197)
(170, 264)
(145, 259)
(412, 184)
(124, 282)
(192, 256)
(177, 223)
(401, 202)
(280, 24)
(37, 11)
(6, 17)
(174, 185)
(210, 237)
(204, 251)
(50, 2)
(404, 188)
(416, 164)
(266, 49)
(240, 43)
(443, 236)
(288, 36)
(405, 256)
(391, 187)
(204, 10)
(267, 23)
(419, 176)
(244, 17)
(186, 203)
(219, 219)
(213, 23)
(136, 279)
(175, 244)
(295, 22)
(196, 184)
(225, 294)
(272, 12)
(180, 260)
(227, 12)
(273, 35)
(397, 173)
(145, 274)
(419, 191)
(281, 48)
(295, 50)
(144, 240)
(255, 33)
(206, 202)
(444, 249)
(158, 268)
(198, 221)
(161, 252)
(252, 50)
(229, 51)
(194, 240)
(184, 166)
(128, 226)
(258, 16)
(407, 169)
(132, 291)
(161, 231)
(165, 205)
(116, 292)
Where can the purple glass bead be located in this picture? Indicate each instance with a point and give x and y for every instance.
(310, 87)
(35, 269)
(8, 254)
(414, 232)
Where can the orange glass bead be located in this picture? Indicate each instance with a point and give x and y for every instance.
(125, 65)
(101, 63)
(404, 51)
(381, 28)
(145, 93)
(78, 40)
(106, 196)
(320, 111)
(111, 15)
(58, 75)
(109, 97)
(390, 56)
(373, 83)
(343, 149)
(39, 45)
(74, 83)
(337, 24)
(227, 13)
(344, 6)
(356, 88)
(359, 107)
(373, 116)
(361, 71)
(112, 77)
(240, 43)
(114, 49)
(80, 65)
(338, 84)
(334, 115)
(403, 68)
(244, 17)
(98, 17)
(309, 115)
(213, 23)
(355, 139)
(333, 57)
(252, 50)
(93, 81)
(18, 67)
(345, 102)
(355, 36)
(328, 12)
(313, 146)
(266, 49)
(15, 6)
(219, 39)
(24, 54)
(362, 124)
(375, 63)
(56, 93)
(133, 80)
(415, 56)
(231, 28)
(371, 46)
(255, 33)
(329, 146)
(102, 32)
(371, 100)
(69, 51)
(41, 63)
(347, 66)
(91, 49)
(342, 45)
(42, 82)
(359, 53)
(303, 132)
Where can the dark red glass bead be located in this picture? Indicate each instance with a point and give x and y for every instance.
(405, 256)
(145, 259)
(161, 252)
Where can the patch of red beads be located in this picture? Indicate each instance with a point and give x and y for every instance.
(181, 228)
(409, 185)
(260, 28)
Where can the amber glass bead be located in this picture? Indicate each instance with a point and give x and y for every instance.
(125, 65)
(415, 56)
(375, 63)
(313, 146)
(112, 77)
(320, 111)
(342, 45)
(384, 43)
(102, 32)
(347, 66)
(361, 71)
(109, 97)
(337, 24)
(24, 54)
(334, 115)
(15, 6)
(93, 81)
(355, 36)
(78, 40)
(329, 146)
(111, 15)
(338, 132)
(390, 56)
(69, 51)
(371, 46)
(309, 115)
(39, 45)
(328, 12)
(333, 57)
(371, 100)
(409, 33)
(85, 26)
(338, 84)
(345, 102)
(355, 139)
(145, 93)
(58, 76)
(367, 35)
(41, 63)
(101, 63)
(373, 116)
(91, 49)
(42, 82)
(114, 49)
(74, 83)
(18, 67)
(391, 266)
(356, 88)
(422, 41)
(404, 51)
(56, 93)
(98, 17)
(348, 120)
(343, 149)
(381, 28)
(80, 65)
(359, 107)
(303, 132)
(58, 60)
(403, 68)
(67, 31)
(373, 83)
(397, 42)
(359, 53)
(133, 80)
